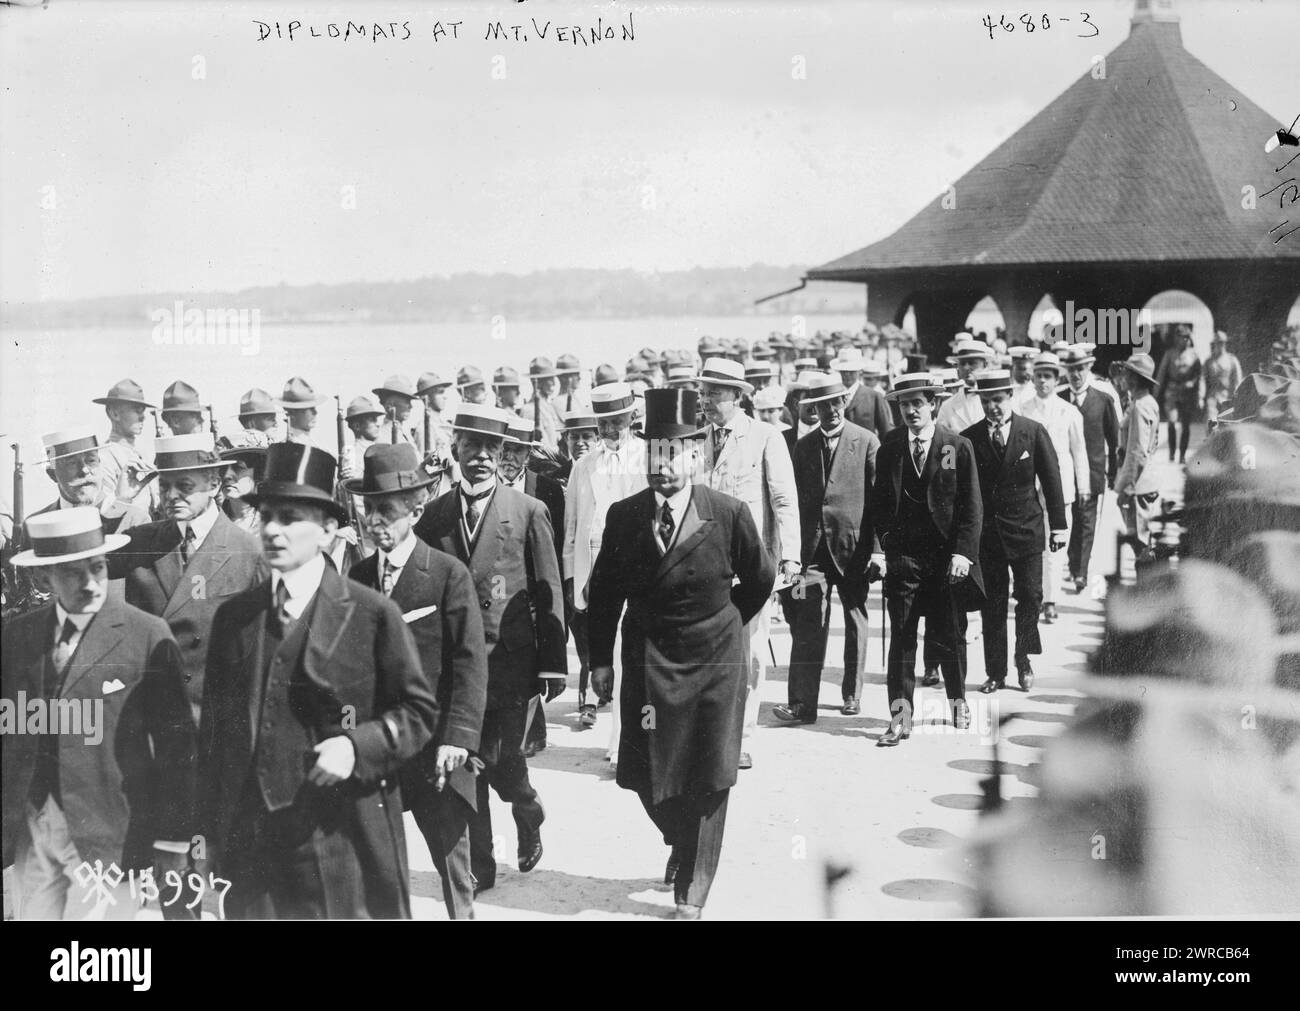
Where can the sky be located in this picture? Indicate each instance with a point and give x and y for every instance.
(160, 146)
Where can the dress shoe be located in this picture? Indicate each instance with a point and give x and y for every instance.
(745, 761)
(961, 715)
(1026, 673)
(670, 870)
(891, 737)
(795, 712)
(1049, 613)
(685, 911)
(992, 685)
(530, 848)
(484, 885)
(851, 707)
(1080, 584)
(586, 716)
(931, 678)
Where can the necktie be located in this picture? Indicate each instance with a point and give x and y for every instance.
(999, 446)
(666, 526)
(282, 614)
(918, 454)
(187, 545)
(719, 440)
(390, 578)
(826, 456)
(474, 511)
(62, 653)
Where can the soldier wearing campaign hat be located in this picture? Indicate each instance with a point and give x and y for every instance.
(363, 418)
(396, 396)
(182, 410)
(471, 385)
(1136, 484)
(258, 413)
(125, 471)
(1223, 375)
(505, 385)
(570, 398)
(540, 408)
(301, 405)
(436, 436)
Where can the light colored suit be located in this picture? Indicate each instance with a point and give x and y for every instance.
(960, 411)
(1064, 424)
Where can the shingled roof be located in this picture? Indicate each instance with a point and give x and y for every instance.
(1147, 164)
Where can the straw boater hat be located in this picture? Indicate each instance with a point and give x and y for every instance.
(390, 467)
(297, 472)
(989, 381)
(681, 374)
(298, 395)
(963, 337)
(873, 369)
(914, 382)
(725, 372)
(256, 402)
(821, 386)
(849, 360)
(768, 398)
(762, 371)
(185, 452)
(400, 386)
(970, 349)
(950, 380)
(505, 376)
(481, 418)
(430, 381)
(66, 535)
(672, 413)
(70, 442)
(181, 396)
(805, 364)
(1021, 351)
(1077, 354)
(567, 365)
(611, 399)
(541, 368)
(1047, 360)
(360, 407)
(577, 421)
(519, 431)
(125, 391)
(469, 376)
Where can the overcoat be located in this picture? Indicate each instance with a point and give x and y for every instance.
(1013, 517)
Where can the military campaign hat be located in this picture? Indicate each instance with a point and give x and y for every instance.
(181, 396)
(398, 385)
(256, 402)
(430, 381)
(124, 391)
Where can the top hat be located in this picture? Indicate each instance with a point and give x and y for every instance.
(181, 396)
(185, 452)
(71, 442)
(399, 385)
(611, 399)
(301, 473)
(389, 467)
(66, 535)
(482, 419)
(768, 398)
(256, 402)
(363, 406)
(1077, 354)
(125, 391)
(992, 381)
(672, 413)
(684, 373)
(429, 381)
(298, 395)
(579, 420)
(519, 431)
(725, 372)
(821, 386)
(1142, 366)
(915, 382)
(541, 367)
(603, 375)
(468, 376)
(567, 365)
(1047, 360)
(505, 376)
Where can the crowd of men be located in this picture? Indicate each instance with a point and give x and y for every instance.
(289, 646)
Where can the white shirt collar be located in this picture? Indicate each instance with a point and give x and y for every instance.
(926, 435)
(676, 504)
(400, 555)
(805, 427)
(80, 620)
(302, 583)
(477, 489)
(834, 433)
(202, 523)
(518, 483)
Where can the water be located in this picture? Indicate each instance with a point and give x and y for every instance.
(48, 378)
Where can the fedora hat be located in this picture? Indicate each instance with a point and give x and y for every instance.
(185, 452)
(567, 365)
(992, 381)
(256, 402)
(429, 381)
(481, 418)
(611, 399)
(124, 391)
(70, 442)
(1076, 354)
(681, 374)
(823, 386)
(603, 375)
(389, 467)
(362, 406)
(768, 398)
(519, 431)
(299, 473)
(578, 421)
(505, 376)
(541, 367)
(915, 382)
(1141, 366)
(399, 385)
(672, 413)
(1047, 360)
(66, 535)
(298, 395)
(181, 396)
(469, 376)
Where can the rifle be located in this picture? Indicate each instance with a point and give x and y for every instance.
(341, 494)
(18, 589)
(157, 424)
(428, 430)
(392, 423)
(18, 488)
(212, 423)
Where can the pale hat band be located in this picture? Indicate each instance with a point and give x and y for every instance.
(190, 459)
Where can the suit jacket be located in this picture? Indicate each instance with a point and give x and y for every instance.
(550, 493)
(838, 506)
(1064, 426)
(227, 562)
(516, 576)
(1100, 435)
(754, 468)
(137, 784)
(449, 638)
(360, 656)
(1141, 440)
(1013, 516)
(685, 653)
(870, 410)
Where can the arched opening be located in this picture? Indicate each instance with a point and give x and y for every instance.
(1293, 318)
(1168, 310)
(908, 321)
(1046, 313)
(985, 321)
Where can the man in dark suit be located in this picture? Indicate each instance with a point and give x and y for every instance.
(834, 470)
(436, 595)
(927, 510)
(867, 407)
(670, 553)
(108, 776)
(506, 540)
(1014, 456)
(314, 697)
(183, 567)
(1101, 440)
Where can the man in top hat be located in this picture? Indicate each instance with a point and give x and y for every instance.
(1064, 424)
(867, 406)
(834, 469)
(671, 554)
(506, 540)
(745, 459)
(1022, 374)
(258, 413)
(505, 385)
(182, 567)
(965, 408)
(396, 395)
(471, 385)
(539, 408)
(182, 411)
(1101, 443)
(1223, 375)
(314, 697)
(242, 460)
(117, 787)
(928, 512)
(613, 471)
(439, 605)
(1014, 456)
(568, 372)
(124, 471)
(301, 405)
(1136, 485)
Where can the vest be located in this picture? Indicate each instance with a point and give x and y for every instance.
(45, 780)
(916, 525)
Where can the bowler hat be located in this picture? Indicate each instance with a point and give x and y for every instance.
(297, 472)
(389, 467)
(66, 535)
(124, 391)
(672, 413)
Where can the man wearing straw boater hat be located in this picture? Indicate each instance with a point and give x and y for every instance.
(314, 697)
(301, 405)
(539, 408)
(108, 778)
(436, 594)
(124, 471)
(1101, 442)
(396, 395)
(1014, 456)
(72, 462)
(184, 565)
(1022, 373)
(964, 408)
(744, 458)
(671, 554)
(505, 539)
(834, 470)
(258, 414)
(867, 407)
(182, 410)
(613, 471)
(927, 510)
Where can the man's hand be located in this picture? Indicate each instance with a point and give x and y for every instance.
(1123, 501)
(348, 534)
(602, 683)
(875, 572)
(1057, 541)
(447, 761)
(958, 569)
(551, 688)
(335, 760)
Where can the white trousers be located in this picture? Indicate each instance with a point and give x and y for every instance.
(758, 632)
(1052, 560)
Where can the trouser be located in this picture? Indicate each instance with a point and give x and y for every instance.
(811, 631)
(443, 817)
(506, 770)
(52, 882)
(692, 825)
(757, 632)
(1051, 568)
(1028, 574)
(916, 586)
(1083, 527)
(1137, 516)
(578, 626)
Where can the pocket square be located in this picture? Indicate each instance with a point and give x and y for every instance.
(113, 686)
(419, 613)
(1023, 456)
